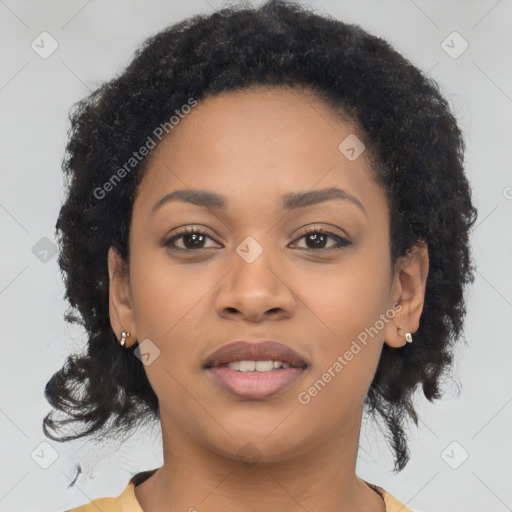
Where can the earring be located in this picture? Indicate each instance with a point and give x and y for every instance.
(124, 335)
(408, 335)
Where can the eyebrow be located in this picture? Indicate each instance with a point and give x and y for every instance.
(291, 201)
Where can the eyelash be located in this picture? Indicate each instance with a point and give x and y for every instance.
(340, 241)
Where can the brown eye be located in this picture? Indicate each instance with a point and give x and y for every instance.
(316, 239)
(192, 239)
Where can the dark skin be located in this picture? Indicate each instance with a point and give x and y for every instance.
(191, 302)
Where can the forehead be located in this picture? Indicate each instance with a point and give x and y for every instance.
(274, 116)
(260, 142)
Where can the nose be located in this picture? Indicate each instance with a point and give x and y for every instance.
(255, 291)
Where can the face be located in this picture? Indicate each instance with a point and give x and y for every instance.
(314, 275)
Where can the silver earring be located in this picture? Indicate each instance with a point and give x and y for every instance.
(124, 335)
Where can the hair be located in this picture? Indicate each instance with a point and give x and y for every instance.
(417, 152)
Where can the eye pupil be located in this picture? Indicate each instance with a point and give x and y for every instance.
(194, 236)
(316, 237)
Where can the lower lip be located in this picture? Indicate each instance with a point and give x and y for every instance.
(255, 385)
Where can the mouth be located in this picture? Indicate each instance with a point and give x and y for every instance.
(254, 371)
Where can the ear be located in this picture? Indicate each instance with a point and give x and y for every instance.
(119, 300)
(408, 289)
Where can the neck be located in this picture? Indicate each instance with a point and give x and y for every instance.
(194, 478)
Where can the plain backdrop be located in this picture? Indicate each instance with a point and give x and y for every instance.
(461, 451)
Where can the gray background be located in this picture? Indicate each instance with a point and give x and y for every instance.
(95, 41)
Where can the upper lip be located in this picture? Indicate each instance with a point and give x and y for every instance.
(261, 350)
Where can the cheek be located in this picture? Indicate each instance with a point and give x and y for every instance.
(348, 305)
(172, 307)
(348, 296)
(166, 295)
(167, 310)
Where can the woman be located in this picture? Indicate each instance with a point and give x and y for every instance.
(265, 234)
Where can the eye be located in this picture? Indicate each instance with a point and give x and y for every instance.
(192, 238)
(316, 239)
(195, 239)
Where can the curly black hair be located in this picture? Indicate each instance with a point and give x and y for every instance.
(417, 152)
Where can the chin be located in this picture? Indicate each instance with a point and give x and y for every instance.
(250, 446)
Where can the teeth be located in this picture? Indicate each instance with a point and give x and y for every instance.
(259, 366)
(265, 366)
(247, 366)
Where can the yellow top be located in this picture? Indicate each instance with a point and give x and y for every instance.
(127, 501)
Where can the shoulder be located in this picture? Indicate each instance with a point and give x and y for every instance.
(125, 502)
(392, 504)
(103, 504)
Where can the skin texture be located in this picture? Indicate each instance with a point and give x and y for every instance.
(254, 146)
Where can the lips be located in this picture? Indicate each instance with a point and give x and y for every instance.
(255, 385)
(263, 350)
